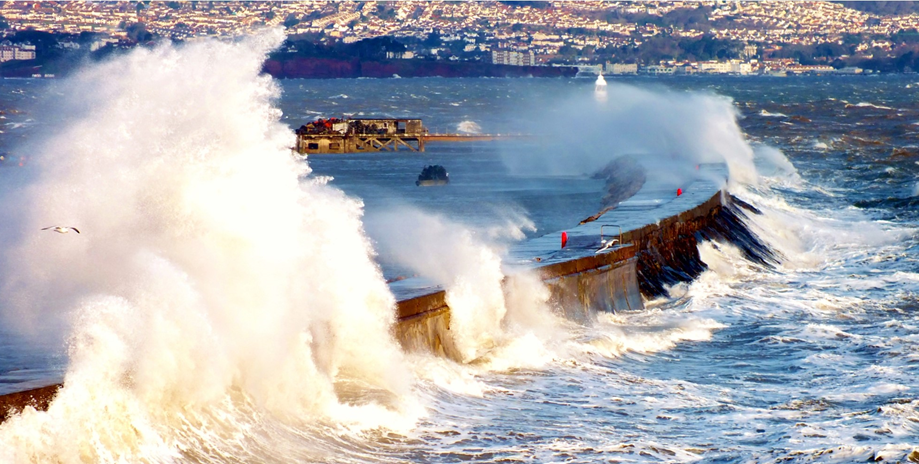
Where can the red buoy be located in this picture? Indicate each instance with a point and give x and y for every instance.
(564, 239)
(679, 192)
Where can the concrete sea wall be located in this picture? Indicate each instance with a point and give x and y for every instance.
(655, 256)
(38, 398)
(650, 258)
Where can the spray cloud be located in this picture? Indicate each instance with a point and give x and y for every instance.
(467, 262)
(210, 273)
(668, 131)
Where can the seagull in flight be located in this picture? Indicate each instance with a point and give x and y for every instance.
(62, 230)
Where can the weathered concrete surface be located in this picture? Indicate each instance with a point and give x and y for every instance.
(424, 325)
(608, 288)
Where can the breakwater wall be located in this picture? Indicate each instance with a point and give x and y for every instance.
(668, 252)
(649, 259)
(38, 398)
(652, 258)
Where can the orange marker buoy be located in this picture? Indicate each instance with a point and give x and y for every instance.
(564, 239)
(679, 192)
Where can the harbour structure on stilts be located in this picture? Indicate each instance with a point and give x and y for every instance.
(362, 135)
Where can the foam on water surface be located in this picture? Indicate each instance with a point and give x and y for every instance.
(216, 297)
(210, 318)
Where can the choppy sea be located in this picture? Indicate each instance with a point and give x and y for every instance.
(225, 302)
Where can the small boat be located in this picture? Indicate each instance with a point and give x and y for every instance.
(433, 175)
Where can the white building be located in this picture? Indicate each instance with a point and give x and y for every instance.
(513, 58)
(16, 52)
(739, 67)
(621, 68)
(715, 67)
(406, 55)
(749, 51)
(656, 69)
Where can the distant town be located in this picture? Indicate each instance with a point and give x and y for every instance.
(405, 38)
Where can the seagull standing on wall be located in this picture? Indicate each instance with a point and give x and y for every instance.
(607, 245)
(62, 230)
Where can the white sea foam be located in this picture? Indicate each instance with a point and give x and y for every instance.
(871, 105)
(469, 127)
(467, 263)
(772, 115)
(210, 290)
(773, 163)
(806, 362)
(615, 335)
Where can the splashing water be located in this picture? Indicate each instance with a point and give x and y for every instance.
(670, 132)
(211, 290)
(469, 127)
(812, 361)
(467, 263)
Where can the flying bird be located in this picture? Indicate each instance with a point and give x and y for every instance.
(62, 230)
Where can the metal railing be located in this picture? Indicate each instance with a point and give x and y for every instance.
(611, 225)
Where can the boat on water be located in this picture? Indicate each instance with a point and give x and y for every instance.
(433, 175)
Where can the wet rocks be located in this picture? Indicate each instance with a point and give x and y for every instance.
(668, 253)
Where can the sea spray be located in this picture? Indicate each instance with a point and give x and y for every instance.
(669, 131)
(448, 254)
(488, 310)
(645, 333)
(468, 127)
(771, 162)
(216, 291)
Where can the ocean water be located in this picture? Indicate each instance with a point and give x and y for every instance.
(226, 302)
